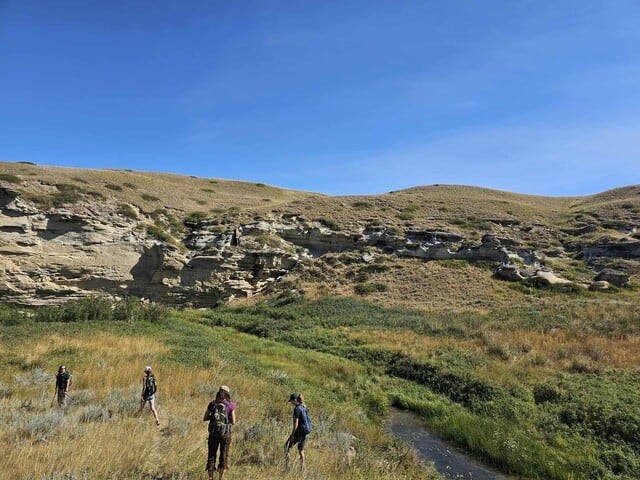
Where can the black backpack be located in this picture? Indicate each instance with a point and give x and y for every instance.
(150, 386)
(219, 423)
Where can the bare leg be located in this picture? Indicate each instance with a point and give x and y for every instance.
(301, 452)
(152, 404)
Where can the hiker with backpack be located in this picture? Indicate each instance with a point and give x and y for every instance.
(301, 427)
(63, 383)
(221, 414)
(149, 388)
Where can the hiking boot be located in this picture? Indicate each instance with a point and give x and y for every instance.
(158, 422)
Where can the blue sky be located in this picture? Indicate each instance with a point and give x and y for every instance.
(349, 97)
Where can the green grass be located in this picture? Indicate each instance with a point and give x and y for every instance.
(8, 177)
(527, 419)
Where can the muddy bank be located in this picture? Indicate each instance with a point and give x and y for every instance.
(448, 460)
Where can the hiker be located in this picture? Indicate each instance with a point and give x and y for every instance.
(149, 387)
(63, 383)
(221, 414)
(301, 427)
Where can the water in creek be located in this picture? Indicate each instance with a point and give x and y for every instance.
(448, 461)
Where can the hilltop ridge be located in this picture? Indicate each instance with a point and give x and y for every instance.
(68, 233)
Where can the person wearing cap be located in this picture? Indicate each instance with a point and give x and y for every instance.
(221, 414)
(298, 434)
(149, 388)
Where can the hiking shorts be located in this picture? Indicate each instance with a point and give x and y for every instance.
(300, 438)
(146, 398)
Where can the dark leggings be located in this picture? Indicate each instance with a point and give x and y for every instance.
(215, 441)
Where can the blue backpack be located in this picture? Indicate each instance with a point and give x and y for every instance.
(304, 418)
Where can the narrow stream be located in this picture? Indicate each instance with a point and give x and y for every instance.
(448, 460)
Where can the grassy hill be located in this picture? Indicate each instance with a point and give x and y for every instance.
(540, 382)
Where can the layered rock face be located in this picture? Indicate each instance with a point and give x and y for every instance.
(50, 256)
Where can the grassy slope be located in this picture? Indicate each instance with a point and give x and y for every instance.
(545, 391)
(103, 437)
(445, 206)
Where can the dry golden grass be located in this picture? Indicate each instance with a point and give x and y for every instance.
(150, 191)
(520, 353)
(433, 207)
(103, 437)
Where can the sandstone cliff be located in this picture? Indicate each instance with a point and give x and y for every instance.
(59, 241)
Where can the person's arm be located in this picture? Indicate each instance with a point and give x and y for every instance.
(67, 383)
(295, 423)
(143, 387)
(207, 414)
(233, 416)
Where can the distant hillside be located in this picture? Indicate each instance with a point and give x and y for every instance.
(68, 233)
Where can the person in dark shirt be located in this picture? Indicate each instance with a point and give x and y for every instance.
(298, 434)
(63, 383)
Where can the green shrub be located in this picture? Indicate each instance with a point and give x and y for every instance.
(406, 216)
(8, 177)
(196, 217)
(376, 405)
(66, 194)
(114, 187)
(149, 198)
(102, 309)
(370, 287)
(362, 205)
(127, 210)
(159, 233)
(332, 224)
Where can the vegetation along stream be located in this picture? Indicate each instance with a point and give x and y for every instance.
(448, 460)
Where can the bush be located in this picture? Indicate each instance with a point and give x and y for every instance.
(114, 187)
(196, 217)
(127, 210)
(546, 393)
(5, 391)
(332, 224)
(369, 288)
(376, 405)
(149, 198)
(39, 425)
(95, 413)
(177, 426)
(66, 194)
(37, 376)
(159, 233)
(101, 309)
(362, 205)
(8, 177)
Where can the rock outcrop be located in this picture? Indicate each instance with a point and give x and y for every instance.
(48, 255)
